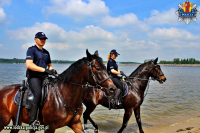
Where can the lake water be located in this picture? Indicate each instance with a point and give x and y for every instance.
(175, 100)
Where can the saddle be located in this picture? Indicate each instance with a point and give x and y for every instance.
(123, 93)
(28, 96)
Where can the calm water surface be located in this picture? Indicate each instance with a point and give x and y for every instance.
(173, 101)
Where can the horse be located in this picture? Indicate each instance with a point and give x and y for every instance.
(137, 82)
(64, 101)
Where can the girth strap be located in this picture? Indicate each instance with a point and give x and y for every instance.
(65, 105)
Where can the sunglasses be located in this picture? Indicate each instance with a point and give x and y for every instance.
(42, 38)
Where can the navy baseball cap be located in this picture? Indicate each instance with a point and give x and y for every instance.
(114, 52)
(40, 35)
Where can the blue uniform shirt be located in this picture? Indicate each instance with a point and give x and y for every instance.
(111, 65)
(40, 57)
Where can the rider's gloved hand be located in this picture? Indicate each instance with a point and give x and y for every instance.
(122, 73)
(50, 72)
(54, 71)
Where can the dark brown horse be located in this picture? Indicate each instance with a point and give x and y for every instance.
(64, 97)
(138, 81)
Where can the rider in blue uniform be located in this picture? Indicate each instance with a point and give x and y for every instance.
(37, 60)
(113, 71)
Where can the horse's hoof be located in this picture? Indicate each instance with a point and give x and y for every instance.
(96, 131)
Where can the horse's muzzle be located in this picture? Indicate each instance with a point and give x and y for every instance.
(111, 91)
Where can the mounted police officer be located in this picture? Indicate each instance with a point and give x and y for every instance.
(113, 71)
(37, 61)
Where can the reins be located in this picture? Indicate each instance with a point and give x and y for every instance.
(87, 85)
(147, 88)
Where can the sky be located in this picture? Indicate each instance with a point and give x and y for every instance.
(137, 29)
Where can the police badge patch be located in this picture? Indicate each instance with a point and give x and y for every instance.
(187, 12)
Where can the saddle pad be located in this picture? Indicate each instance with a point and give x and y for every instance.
(29, 92)
(125, 92)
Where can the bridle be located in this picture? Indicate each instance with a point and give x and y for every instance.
(157, 78)
(97, 82)
(98, 85)
(158, 74)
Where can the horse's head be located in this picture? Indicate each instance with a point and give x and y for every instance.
(97, 74)
(156, 72)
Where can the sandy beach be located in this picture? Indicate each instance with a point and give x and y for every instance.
(187, 126)
(191, 125)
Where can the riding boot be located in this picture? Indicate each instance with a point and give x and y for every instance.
(117, 102)
(33, 112)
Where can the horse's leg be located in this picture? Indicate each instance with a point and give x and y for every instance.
(86, 116)
(5, 118)
(51, 129)
(127, 115)
(138, 119)
(77, 127)
(14, 121)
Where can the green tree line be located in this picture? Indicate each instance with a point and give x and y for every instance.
(181, 61)
(15, 60)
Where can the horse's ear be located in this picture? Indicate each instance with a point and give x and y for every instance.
(96, 53)
(155, 61)
(89, 56)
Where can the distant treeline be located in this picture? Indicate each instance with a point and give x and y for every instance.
(15, 60)
(179, 61)
(129, 63)
(62, 61)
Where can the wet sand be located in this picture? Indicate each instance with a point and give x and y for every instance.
(191, 125)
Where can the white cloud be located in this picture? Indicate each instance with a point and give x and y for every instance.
(77, 9)
(198, 16)
(2, 47)
(28, 33)
(54, 32)
(154, 44)
(3, 20)
(61, 39)
(2, 16)
(129, 19)
(172, 34)
(96, 33)
(164, 17)
(4, 2)
(174, 38)
(59, 46)
(25, 46)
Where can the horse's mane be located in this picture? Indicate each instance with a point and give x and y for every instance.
(138, 70)
(76, 67)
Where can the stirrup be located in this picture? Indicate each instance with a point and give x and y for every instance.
(36, 123)
(118, 103)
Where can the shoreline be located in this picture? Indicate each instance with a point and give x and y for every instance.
(168, 65)
(191, 125)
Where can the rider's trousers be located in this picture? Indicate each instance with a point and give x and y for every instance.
(35, 84)
(117, 82)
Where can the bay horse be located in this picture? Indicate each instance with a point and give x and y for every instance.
(64, 101)
(138, 81)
